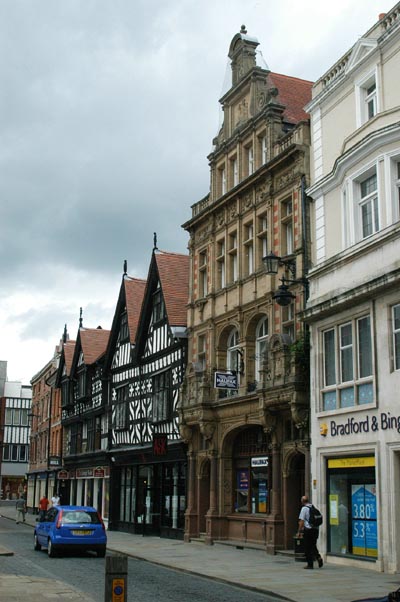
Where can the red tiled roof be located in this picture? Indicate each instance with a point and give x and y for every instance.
(173, 269)
(94, 343)
(69, 348)
(293, 93)
(134, 293)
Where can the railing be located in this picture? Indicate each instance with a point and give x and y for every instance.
(200, 206)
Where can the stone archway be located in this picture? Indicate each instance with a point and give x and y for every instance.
(294, 488)
(203, 492)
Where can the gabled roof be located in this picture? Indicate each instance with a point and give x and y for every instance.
(93, 342)
(134, 293)
(293, 93)
(173, 271)
(68, 348)
(130, 296)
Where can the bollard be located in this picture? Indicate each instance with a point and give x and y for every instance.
(116, 582)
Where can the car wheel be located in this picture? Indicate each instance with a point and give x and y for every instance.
(50, 550)
(101, 553)
(37, 545)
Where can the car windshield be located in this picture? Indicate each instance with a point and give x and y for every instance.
(79, 516)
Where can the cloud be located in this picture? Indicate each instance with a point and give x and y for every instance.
(107, 114)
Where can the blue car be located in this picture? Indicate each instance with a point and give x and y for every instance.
(75, 528)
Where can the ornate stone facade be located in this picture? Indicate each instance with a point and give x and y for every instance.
(249, 446)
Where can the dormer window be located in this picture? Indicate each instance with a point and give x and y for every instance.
(367, 99)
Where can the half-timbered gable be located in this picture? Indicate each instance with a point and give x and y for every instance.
(161, 346)
(148, 458)
(86, 419)
(118, 362)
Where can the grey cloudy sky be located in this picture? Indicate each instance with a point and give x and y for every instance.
(107, 113)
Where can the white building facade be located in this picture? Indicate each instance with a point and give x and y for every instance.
(354, 305)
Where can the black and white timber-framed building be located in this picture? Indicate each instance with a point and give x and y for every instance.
(146, 360)
(84, 477)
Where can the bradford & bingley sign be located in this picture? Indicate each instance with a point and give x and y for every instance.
(384, 421)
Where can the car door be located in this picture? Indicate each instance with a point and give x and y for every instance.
(44, 526)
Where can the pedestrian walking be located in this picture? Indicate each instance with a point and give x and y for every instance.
(309, 534)
(43, 505)
(20, 506)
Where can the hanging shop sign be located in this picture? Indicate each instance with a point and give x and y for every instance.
(226, 380)
(384, 421)
(63, 474)
(160, 447)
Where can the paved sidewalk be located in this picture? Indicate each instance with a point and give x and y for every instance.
(253, 569)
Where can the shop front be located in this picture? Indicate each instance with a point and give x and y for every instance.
(149, 497)
(356, 483)
(352, 507)
(86, 486)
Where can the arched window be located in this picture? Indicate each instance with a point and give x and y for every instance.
(232, 355)
(252, 472)
(261, 345)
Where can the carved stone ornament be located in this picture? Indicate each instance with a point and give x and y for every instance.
(207, 430)
(300, 415)
(268, 421)
(220, 219)
(186, 432)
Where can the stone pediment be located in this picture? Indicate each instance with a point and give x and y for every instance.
(361, 49)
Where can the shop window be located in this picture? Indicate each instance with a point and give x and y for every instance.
(348, 365)
(252, 472)
(352, 505)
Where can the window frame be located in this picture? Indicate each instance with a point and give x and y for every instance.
(161, 397)
(203, 273)
(221, 263)
(334, 380)
(395, 335)
(287, 229)
(367, 95)
(262, 336)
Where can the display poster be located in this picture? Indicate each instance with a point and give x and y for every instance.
(262, 495)
(333, 509)
(243, 480)
(364, 513)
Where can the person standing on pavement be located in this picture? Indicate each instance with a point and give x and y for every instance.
(309, 535)
(43, 505)
(21, 509)
(55, 500)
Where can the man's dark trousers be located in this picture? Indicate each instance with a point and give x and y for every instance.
(310, 546)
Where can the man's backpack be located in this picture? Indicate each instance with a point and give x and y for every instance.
(315, 518)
